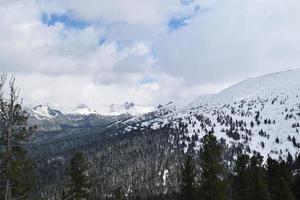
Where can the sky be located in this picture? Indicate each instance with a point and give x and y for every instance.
(98, 52)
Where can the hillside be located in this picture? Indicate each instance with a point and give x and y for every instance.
(260, 114)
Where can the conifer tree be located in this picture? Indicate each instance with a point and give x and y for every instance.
(296, 178)
(119, 194)
(296, 186)
(212, 184)
(187, 179)
(280, 180)
(16, 169)
(78, 185)
(258, 179)
(241, 187)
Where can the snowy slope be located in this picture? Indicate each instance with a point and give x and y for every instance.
(259, 114)
(44, 112)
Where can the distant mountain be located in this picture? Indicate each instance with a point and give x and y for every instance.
(44, 112)
(49, 119)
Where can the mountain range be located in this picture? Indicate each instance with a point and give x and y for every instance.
(49, 119)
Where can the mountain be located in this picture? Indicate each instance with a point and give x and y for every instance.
(48, 119)
(258, 115)
(44, 112)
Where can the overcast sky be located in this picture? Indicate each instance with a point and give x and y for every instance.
(99, 52)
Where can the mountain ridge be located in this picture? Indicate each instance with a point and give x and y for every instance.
(253, 113)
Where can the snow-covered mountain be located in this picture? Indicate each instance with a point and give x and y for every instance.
(44, 112)
(256, 115)
(259, 114)
(49, 119)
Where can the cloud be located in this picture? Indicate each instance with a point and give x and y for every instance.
(55, 46)
(146, 51)
(232, 41)
(145, 12)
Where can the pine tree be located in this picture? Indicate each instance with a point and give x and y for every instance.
(280, 180)
(78, 185)
(119, 194)
(187, 179)
(16, 169)
(212, 184)
(258, 179)
(241, 187)
(296, 186)
(296, 178)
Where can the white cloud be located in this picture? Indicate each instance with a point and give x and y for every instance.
(223, 42)
(146, 12)
(232, 41)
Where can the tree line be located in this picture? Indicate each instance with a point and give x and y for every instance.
(208, 177)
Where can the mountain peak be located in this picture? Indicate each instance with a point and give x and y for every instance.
(45, 112)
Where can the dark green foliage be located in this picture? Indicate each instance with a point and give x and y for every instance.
(296, 186)
(78, 184)
(187, 179)
(119, 194)
(241, 184)
(250, 179)
(212, 175)
(21, 174)
(258, 179)
(280, 180)
(17, 178)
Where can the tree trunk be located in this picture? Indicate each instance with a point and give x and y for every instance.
(8, 192)
(7, 189)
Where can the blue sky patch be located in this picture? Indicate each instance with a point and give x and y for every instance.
(177, 22)
(147, 80)
(66, 19)
(102, 40)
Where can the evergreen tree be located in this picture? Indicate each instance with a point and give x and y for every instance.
(78, 185)
(296, 186)
(280, 180)
(296, 178)
(16, 169)
(212, 184)
(241, 186)
(119, 194)
(258, 179)
(187, 179)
